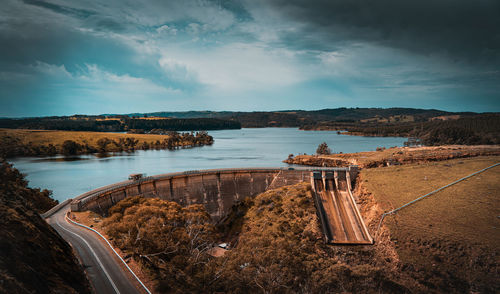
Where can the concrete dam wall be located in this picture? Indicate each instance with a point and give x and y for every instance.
(218, 190)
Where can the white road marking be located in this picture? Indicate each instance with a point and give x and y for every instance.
(109, 244)
(95, 255)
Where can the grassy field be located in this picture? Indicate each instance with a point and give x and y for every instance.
(468, 210)
(42, 137)
(452, 235)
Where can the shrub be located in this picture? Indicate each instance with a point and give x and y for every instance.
(323, 149)
(70, 147)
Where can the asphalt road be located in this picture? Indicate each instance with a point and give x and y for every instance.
(102, 266)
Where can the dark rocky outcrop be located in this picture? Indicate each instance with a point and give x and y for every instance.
(33, 257)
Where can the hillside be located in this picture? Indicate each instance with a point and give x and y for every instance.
(449, 241)
(304, 118)
(296, 118)
(276, 247)
(468, 130)
(34, 258)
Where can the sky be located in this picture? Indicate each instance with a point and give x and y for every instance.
(64, 57)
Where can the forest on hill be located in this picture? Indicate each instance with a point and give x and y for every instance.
(117, 124)
(481, 129)
(300, 118)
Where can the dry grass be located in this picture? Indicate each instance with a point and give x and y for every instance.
(467, 211)
(153, 118)
(56, 138)
(105, 119)
(449, 240)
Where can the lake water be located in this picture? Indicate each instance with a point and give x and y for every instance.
(264, 147)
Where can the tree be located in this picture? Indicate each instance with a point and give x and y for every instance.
(171, 241)
(323, 149)
(70, 147)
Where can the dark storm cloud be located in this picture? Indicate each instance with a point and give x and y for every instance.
(458, 28)
(80, 13)
(88, 17)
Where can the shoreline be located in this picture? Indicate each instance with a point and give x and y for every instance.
(396, 156)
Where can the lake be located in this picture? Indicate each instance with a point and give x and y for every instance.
(262, 147)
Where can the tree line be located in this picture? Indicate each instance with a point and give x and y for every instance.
(121, 124)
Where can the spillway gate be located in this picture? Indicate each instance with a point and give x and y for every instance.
(340, 218)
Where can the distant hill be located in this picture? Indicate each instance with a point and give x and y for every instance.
(433, 126)
(117, 123)
(181, 114)
(300, 118)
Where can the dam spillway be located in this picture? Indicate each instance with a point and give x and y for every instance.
(340, 218)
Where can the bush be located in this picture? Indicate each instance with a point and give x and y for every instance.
(323, 149)
(170, 241)
(70, 147)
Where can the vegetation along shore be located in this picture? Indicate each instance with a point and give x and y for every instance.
(20, 142)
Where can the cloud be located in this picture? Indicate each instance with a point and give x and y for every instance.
(91, 87)
(91, 76)
(164, 29)
(247, 54)
(461, 29)
(235, 67)
(149, 13)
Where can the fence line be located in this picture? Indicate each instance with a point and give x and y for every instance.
(428, 194)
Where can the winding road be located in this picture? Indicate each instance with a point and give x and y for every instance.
(104, 270)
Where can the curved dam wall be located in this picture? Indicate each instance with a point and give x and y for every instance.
(218, 190)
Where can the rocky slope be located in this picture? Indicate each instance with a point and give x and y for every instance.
(33, 257)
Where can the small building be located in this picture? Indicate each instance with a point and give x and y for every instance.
(135, 177)
(413, 142)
